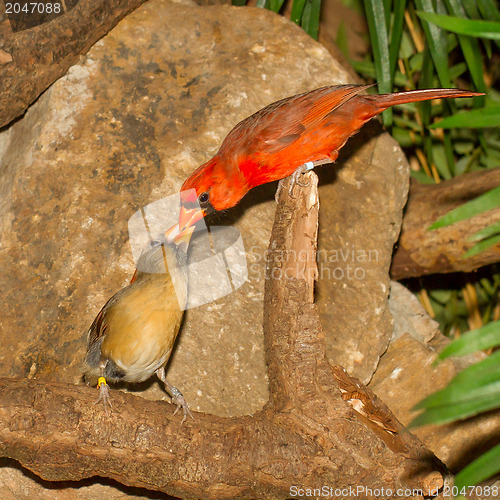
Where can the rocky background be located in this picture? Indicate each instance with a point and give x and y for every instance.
(123, 128)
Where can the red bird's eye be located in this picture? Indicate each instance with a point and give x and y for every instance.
(203, 198)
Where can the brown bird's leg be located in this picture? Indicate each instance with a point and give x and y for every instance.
(295, 177)
(175, 395)
(103, 388)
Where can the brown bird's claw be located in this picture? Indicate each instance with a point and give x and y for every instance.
(104, 394)
(176, 396)
(178, 399)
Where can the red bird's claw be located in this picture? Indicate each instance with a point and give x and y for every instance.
(302, 184)
(180, 402)
(294, 180)
(104, 397)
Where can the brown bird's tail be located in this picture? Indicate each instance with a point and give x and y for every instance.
(384, 101)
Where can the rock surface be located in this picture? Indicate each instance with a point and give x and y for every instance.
(123, 129)
(147, 104)
(407, 374)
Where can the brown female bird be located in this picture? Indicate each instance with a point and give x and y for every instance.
(132, 336)
(286, 138)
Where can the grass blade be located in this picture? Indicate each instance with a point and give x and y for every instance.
(475, 340)
(461, 26)
(310, 18)
(491, 230)
(487, 201)
(470, 49)
(436, 40)
(297, 9)
(396, 34)
(480, 469)
(476, 118)
(275, 5)
(481, 246)
(376, 17)
(478, 402)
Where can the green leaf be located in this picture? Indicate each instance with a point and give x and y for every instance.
(484, 202)
(471, 9)
(422, 177)
(376, 17)
(489, 9)
(491, 230)
(439, 157)
(367, 68)
(310, 18)
(461, 26)
(396, 34)
(487, 465)
(457, 70)
(436, 40)
(476, 340)
(472, 391)
(475, 376)
(275, 5)
(470, 49)
(482, 400)
(481, 246)
(404, 137)
(476, 118)
(341, 40)
(297, 9)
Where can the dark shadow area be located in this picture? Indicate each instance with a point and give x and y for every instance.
(475, 450)
(62, 485)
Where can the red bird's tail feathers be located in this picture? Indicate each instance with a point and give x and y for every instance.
(384, 101)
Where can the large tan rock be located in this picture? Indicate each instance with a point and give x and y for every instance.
(148, 103)
(122, 129)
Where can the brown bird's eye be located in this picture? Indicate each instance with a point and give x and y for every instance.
(203, 198)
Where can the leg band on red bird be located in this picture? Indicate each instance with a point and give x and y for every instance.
(295, 177)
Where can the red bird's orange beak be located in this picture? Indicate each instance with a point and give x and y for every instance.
(188, 217)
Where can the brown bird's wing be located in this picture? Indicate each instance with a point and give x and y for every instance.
(280, 124)
(99, 326)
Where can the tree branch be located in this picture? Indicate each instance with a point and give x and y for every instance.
(320, 426)
(420, 252)
(37, 57)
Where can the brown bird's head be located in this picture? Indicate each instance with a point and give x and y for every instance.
(212, 187)
(164, 254)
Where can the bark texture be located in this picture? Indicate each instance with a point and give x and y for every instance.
(320, 426)
(420, 252)
(33, 59)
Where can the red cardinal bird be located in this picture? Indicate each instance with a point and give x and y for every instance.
(288, 137)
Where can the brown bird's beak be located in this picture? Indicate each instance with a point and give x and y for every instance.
(183, 238)
(188, 217)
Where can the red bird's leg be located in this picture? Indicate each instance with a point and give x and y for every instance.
(295, 177)
(176, 396)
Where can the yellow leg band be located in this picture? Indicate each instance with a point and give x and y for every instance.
(101, 381)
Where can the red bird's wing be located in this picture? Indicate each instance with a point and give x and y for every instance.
(277, 126)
